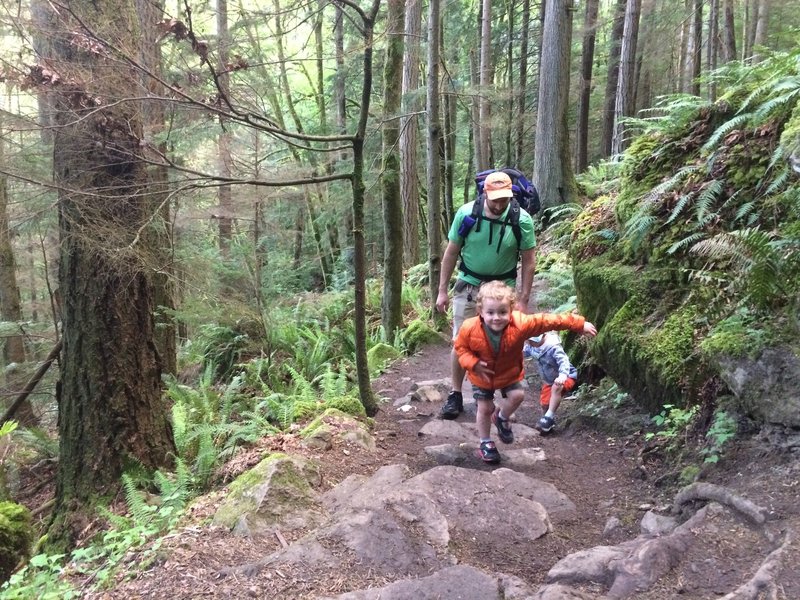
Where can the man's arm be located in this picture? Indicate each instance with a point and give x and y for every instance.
(449, 259)
(526, 279)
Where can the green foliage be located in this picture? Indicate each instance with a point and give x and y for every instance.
(219, 348)
(672, 422)
(41, 579)
(723, 429)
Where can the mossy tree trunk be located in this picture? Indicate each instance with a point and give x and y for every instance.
(111, 413)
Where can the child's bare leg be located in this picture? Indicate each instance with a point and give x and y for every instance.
(511, 402)
(483, 417)
(555, 399)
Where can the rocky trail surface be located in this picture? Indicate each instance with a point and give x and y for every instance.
(408, 510)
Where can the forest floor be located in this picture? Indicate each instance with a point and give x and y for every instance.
(605, 474)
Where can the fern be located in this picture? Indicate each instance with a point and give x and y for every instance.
(141, 512)
(705, 200)
(685, 242)
(736, 122)
(639, 226)
(671, 183)
(679, 206)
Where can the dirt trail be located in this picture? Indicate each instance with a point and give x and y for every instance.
(609, 478)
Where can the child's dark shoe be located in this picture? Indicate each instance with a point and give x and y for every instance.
(503, 428)
(489, 453)
(546, 424)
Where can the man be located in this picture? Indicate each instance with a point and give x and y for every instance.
(489, 251)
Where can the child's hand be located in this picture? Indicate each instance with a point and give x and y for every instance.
(482, 369)
(589, 329)
(560, 380)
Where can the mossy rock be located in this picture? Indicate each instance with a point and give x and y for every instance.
(278, 491)
(380, 356)
(16, 536)
(347, 404)
(335, 423)
(594, 229)
(419, 333)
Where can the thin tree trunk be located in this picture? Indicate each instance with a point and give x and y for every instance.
(485, 74)
(685, 57)
(475, 111)
(624, 102)
(391, 303)
(729, 32)
(552, 173)
(339, 79)
(409, 184)
(299, 227)
(751, 8)
(225, 216)
(521, 92)
(712, 44)
(319, 48)
(612, 78)
(451, 115)
(510, 4)
(762, 23)
(585, 86)
(697, 47)
(433, 139)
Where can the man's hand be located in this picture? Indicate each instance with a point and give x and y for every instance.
(442, 300)
(482, 370)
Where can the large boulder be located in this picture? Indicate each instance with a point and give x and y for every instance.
(278, 493)
(16, 535)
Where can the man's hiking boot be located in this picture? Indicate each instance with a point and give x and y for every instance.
(489, 453)
(454, 405)
(503, 428)
(546, 424)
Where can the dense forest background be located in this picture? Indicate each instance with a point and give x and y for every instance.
(186, 188)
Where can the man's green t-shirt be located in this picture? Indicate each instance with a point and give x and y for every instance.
(484, 251)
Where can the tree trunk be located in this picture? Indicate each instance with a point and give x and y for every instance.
(409, 184)
(729, 32)
(625, 102)
(11, 305)
(585, 86)
(433, 140)
(150, 14)
(510, 4)
(111, 412)
(552, 174)
(391, 303)
(359, 250)
(521, 92)
(696, 54)
(475, 109)
(760, 36)
(712, 44)
(319, 48)
(225, 216)
(612, 78)
(751, 8)
(339, 95)
(485, 74)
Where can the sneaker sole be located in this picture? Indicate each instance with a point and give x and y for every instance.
(449, 416)
(493, 461)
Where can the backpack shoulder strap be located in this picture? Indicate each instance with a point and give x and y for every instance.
(513, 218)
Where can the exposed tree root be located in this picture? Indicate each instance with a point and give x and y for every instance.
(764, 578)
(708, 491)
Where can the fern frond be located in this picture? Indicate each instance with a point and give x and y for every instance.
(639, 226)
(779, 181)
(679, 206)
(687, 241)
(773, 104)
(743, 211)
(706, 199)
(140, 511)
(736, 122)
(671, 183)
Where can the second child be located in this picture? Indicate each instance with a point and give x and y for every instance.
(489, 347)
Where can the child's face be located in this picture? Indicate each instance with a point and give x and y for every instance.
(495, 313)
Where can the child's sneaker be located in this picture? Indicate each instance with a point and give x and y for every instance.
(454, 406)
(503, 428)
(489, 452)
(546, 424)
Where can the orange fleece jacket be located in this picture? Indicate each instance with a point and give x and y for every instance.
(473, 346)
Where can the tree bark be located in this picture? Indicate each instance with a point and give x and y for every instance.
(585, 86)
(433, 140)
(111, 411)
(712, 44)
(729, 32)
(391, 303)
(695, 62)
(552, 173)
(760, 35)
(625, 102)
(225, 193)
(409, 184)
(485, 75)
(522, 86)
(612, 78)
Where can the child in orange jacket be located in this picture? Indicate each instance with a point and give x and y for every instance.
(489, 347)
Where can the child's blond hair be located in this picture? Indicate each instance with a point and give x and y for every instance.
(496, 290)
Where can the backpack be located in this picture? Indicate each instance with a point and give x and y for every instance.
(525, 198)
